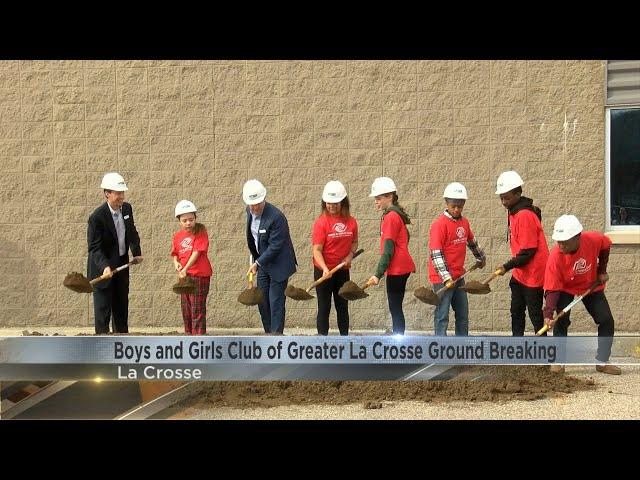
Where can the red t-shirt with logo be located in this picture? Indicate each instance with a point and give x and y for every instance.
(392, 227)
(526, 232)
(336, 234)
(183, 245)
(450, 237)
(575, 272)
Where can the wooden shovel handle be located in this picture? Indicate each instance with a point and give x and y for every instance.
(443, 289)
(332, 271)
(563, 312)
(113, 272)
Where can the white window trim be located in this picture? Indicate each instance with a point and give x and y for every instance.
(619, 234)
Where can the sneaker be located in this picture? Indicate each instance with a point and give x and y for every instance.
(608, 368)
(557, 368)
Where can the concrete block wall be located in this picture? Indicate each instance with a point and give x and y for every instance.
(199, 129)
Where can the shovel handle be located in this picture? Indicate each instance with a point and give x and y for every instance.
(250, 279)
(332, 271)
(367, 285)
(113, 272)
(473, 267)
(568, 307)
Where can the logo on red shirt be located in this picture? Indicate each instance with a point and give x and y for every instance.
(460, 232)
(185, 244)
(340, 227)
(581, 267)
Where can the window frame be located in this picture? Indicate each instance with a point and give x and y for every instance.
(621, 233)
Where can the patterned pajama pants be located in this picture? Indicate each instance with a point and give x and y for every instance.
(194, 307)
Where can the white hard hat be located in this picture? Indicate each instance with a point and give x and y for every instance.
(455, 190)
(507, 181)
(334, 192)
(185, 206)
(113, 181)
(382, 185)
(566, 227)
(253, 192)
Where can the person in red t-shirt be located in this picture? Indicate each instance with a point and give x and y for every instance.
(395, 259)
(449, 236)
(529, 252)
(577, 261)
(334, 240)
(189, 251)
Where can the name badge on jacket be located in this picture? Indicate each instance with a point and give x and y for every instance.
(262, 231)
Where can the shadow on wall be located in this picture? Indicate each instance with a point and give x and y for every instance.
(20, 286)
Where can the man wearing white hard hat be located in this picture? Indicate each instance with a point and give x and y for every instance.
(271, 247)
(110, 234)
(577, 261)
(449, 236)
(529, 252)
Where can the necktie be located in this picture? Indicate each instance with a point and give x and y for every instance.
(119, 223)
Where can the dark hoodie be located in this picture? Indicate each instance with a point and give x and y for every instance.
(524, 256)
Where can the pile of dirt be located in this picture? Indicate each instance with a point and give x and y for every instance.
(477, 384)
(27, 333)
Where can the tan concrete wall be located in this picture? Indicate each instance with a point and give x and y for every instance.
(198, 130)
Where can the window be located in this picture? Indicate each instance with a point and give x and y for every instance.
(624, 167)
(623, 148)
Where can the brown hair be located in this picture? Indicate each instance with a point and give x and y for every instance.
(400, 207)
(198, 227)
(344, 210)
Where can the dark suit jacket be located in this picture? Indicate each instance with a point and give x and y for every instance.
(277, 256)
(103, 241)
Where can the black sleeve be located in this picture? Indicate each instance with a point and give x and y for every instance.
(523, 257)
(603, 259)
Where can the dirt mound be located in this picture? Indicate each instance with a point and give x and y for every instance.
(478, 383)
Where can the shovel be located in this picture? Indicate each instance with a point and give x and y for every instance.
(185, 285)
(481, 288)
(301, 294)
(79, 283)
(351, 291)
(570, 306)
(251, 295)
(427, 295)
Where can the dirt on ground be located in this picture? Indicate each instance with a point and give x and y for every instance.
(477, 383)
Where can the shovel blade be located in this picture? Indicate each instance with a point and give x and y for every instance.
(351, 291)
(251, 296)
(77, 282)
(475, 287)
(297, 293)
(427, 296)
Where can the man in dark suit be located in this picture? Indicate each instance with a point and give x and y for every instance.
(110, 234)
(270, 245)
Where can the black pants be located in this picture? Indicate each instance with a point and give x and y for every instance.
(598, 307)
(525, 298)
(113, 300)
(324, 291)
(396, 286)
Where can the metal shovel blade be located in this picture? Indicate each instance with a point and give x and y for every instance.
(475, 287)
(77, 282)
(297, 293)
(351, 291)
(427, 296)
(251, 296)
(187, 286)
